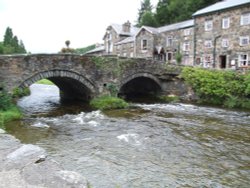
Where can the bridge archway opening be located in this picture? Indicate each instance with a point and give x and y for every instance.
(140, 87)
(72, 86)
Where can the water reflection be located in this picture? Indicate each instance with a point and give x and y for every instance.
(155, 145)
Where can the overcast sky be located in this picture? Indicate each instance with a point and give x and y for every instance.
(45, 25)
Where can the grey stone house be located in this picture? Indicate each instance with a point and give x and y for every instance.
(216, 37)
(221, 34)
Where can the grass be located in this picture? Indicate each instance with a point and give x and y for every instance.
(45, 82)
(108, 103)
(13, 113)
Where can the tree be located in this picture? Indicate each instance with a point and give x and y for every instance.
(162, 14)
(172, 11)
(8, 36)
(148, 19)
(145, 7)
(11, 43)
(67, 42)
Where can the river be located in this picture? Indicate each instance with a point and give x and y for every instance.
(150, 145)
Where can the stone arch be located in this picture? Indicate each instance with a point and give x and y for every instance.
(71, 84)
(140, 83)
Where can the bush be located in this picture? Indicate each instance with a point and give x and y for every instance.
(5, 100)
(216, 87)
(18, 92)
(13, 113)
(107, 103)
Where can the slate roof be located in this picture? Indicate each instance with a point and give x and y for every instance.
(179, 25)
(98, 49)
(226, 4)
(118, 29)
(126, 40)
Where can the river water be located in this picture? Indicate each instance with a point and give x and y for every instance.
(150, 145)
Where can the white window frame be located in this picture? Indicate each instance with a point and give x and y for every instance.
(208, 25)
(208, 60)
(144, 44)
(225, 43)
(245, 19)
(244, 40)
(169, 41)
(208, 44)
(243, 60)
(187, 32)
(186, 46)
(225, 23)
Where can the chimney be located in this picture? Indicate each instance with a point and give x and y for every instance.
(126, 27)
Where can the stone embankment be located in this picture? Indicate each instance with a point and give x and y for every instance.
(28, 166)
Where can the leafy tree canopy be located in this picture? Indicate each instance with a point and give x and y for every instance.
(146, 7)
(11, 44)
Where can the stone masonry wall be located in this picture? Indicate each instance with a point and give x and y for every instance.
(217, 35)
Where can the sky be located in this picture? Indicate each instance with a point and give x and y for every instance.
(45, 25)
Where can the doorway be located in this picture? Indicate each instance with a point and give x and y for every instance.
(223, 61)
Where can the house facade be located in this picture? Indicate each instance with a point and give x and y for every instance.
(218, 36)
(222, 33)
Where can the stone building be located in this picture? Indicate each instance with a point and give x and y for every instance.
(222, 34)
(216, 37)
(116, 33)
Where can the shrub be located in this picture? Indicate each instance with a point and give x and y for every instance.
(13, 113)
(107, 103)
(225, 88)
(5, 100)
(18, 92)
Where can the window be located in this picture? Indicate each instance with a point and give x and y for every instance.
(186, 46)
(209, 25)
(144, 44)
(244, 41)
(208, 44)
(225, 23)
(243, 60)
(132, 45)
(187, 32)
(131, 54)
(169, 41)
(118, 47)
(207, 61)
(225, 43)
(245, 19)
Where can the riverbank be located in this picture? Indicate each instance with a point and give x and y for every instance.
(29, 166)
(12, 113)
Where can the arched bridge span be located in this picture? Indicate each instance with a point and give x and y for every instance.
(72, 85)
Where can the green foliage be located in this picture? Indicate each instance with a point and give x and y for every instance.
(112, 89)
(18, 92)
(11, 44)
(12, 113)
(108, 103)
(146, 6)
(67, 50)
(5, 100)
(85, 49)
(225, 88)
(148, 19)
(178, 57)
(45, 82)
(172, 11)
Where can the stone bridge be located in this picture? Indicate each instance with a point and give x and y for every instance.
(84, 77)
